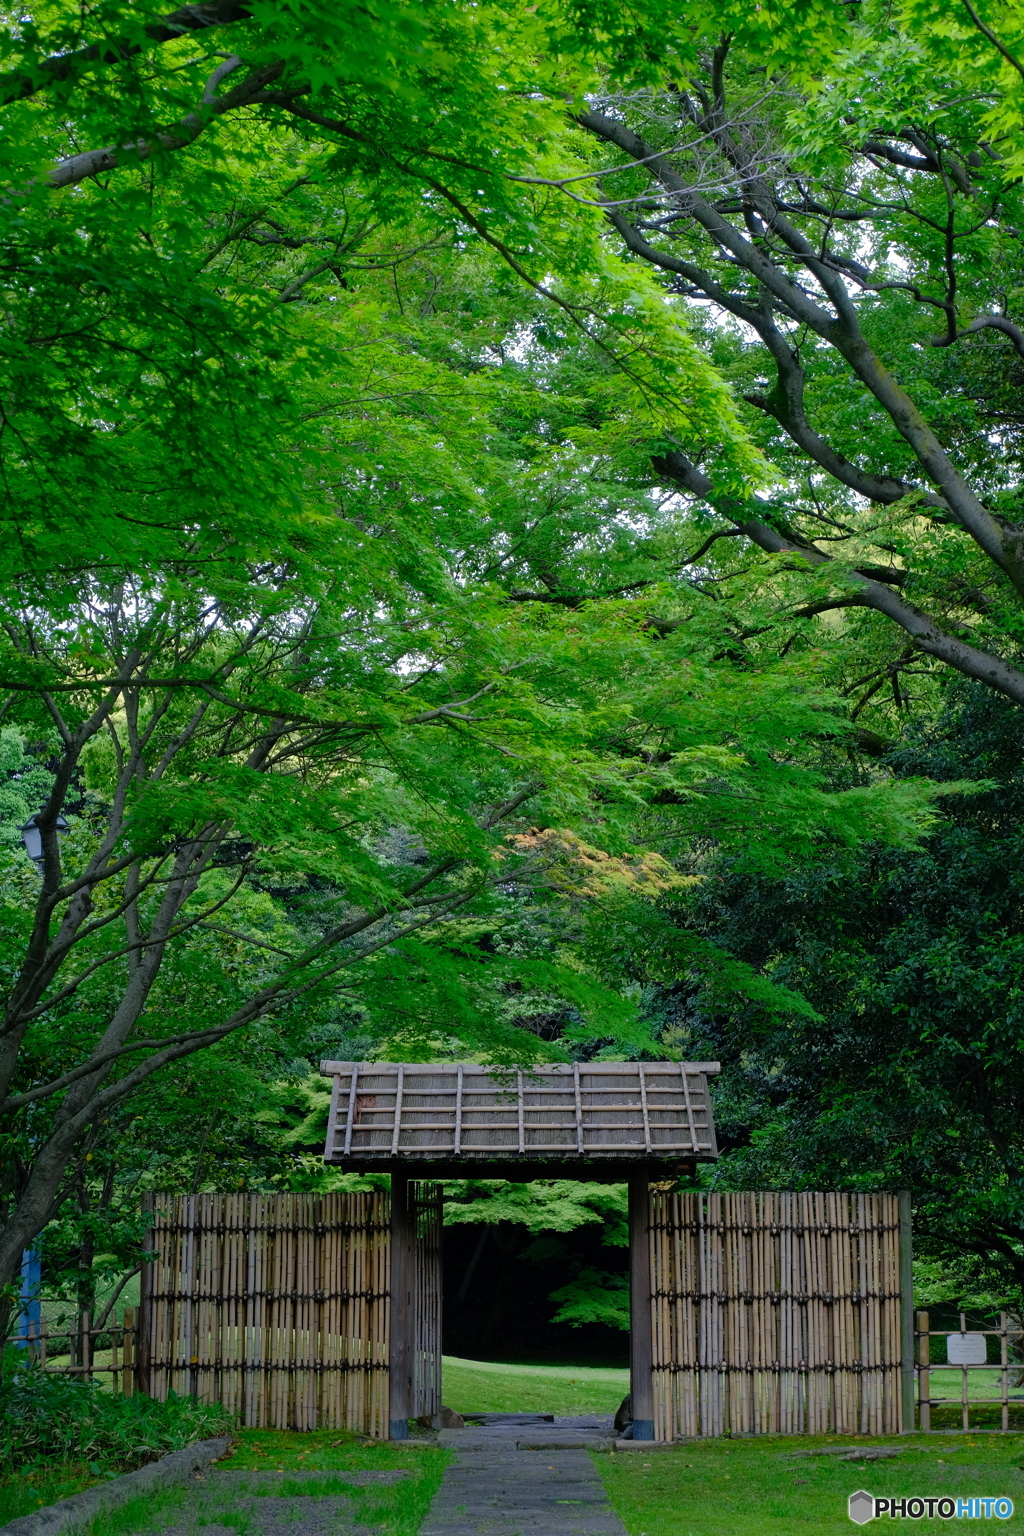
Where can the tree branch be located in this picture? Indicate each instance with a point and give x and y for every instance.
(993, 39)
(94, 162)
(65, 66)
(840, 330)
(926, 634)
(998, 323)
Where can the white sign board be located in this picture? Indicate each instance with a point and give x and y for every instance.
(966, 1348)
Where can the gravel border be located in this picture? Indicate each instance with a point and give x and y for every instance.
(74, 1513)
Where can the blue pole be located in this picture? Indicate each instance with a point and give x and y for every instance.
(30, 1317)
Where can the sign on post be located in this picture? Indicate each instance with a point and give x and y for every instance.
(966, 1349)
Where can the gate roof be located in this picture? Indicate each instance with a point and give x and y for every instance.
(408, 1116)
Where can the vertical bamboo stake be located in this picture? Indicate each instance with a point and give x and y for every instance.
(693, 1205)
(817, 1381)
(249, 1413)
(876, 1319)
(924, 1355)
(329, 1348)
(128, 1352)
(832, 1285)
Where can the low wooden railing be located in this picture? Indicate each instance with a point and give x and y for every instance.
(1010, 1336)
(81, 1349)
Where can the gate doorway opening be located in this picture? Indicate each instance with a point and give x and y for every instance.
(505, 1283)
(516, 1257)
(620, 1122)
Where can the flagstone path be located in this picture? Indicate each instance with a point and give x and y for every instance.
(524, 1479)
(511, 1476)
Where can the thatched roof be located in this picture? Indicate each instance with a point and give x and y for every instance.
(402, 1113)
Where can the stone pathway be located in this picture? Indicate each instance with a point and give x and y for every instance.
(523, 1479)
(515, 1475)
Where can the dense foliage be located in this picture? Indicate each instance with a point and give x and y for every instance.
(46, 1419)
(484, 488)
(912, 1073)
(850, 234)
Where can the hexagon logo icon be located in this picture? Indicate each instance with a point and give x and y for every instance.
(861, 1507)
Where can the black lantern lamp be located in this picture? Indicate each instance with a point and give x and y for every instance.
(33, 838)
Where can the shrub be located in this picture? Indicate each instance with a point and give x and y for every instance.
(48, 1418)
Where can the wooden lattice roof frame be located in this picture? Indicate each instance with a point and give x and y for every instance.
(395, 1114)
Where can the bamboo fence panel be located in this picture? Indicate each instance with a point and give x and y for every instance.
(277, 1306)
(775, 1313)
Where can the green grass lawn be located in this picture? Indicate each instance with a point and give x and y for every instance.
(980, 1384)
(758, 1488)
(25, 1492)
(987, 1383)
(396, 1510)
(477, 1386)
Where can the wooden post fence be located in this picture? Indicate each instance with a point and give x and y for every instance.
(47, 1347)
(966, 1350)
(907, 1381)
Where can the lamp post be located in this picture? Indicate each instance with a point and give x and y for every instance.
(33, 838)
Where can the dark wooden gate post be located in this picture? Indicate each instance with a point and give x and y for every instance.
(403, 1273)
(641, 1359)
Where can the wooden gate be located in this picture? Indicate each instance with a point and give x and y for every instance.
(278, 1306)
(776, 1314)
(428, 1271)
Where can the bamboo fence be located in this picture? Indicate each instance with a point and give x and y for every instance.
(277, 1306)
(775, 1313)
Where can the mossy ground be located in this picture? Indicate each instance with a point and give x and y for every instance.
(395, 1509)
(760, 1488)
